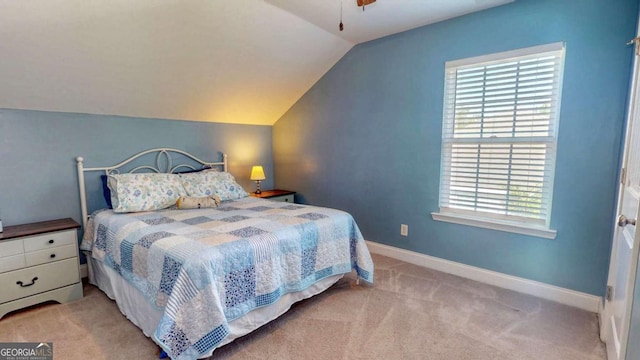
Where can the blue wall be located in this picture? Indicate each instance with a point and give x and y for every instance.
(38, 178)
(366, 138)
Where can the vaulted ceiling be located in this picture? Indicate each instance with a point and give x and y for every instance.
(234, 61)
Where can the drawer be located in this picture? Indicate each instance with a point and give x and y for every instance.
(44, 241)
(49, 276)
(283, 198)
(49, 255)
(11, 247)
(14, 262)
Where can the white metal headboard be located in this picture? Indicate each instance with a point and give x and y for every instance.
(164, 164)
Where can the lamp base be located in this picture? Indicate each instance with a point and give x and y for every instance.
(258, 188)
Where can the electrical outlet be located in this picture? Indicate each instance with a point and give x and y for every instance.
(404, 229)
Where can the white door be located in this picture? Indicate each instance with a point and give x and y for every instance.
(624, 253)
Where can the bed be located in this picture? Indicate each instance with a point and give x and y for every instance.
(195, 279)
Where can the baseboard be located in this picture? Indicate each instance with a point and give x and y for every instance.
(569, 297)
(601, 322)
(84, 271)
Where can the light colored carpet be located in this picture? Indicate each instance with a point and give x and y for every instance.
(410, 313)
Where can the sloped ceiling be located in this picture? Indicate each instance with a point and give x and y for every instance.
(235, 61)
(381, 18)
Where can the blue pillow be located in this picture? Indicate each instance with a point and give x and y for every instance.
(193, 170)
(105, 191)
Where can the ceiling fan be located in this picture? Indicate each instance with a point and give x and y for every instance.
(362, 3)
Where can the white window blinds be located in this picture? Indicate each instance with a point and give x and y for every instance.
(499, 134)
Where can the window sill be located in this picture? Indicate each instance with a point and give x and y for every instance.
(495, 225)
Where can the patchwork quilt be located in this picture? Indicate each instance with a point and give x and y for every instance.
(206, 267)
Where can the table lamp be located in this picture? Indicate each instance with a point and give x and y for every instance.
(257, 174)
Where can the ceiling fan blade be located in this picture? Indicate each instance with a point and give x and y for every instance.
(364, 2)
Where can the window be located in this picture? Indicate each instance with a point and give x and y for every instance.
(499, 136)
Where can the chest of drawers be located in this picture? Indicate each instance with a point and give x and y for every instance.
(38, 263)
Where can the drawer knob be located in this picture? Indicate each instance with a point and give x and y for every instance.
(51, 241)
(33, 281)
(52, 256)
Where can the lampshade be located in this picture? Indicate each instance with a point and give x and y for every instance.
(257, 173)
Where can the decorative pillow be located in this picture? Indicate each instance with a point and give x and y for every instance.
(209, 183)
(191, 202)
(144, 192)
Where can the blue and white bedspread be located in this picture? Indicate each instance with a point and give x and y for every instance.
(206, 267)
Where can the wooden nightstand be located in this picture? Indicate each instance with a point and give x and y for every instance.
(39, 262)
(276, 195)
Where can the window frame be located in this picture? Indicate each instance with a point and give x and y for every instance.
(522, 225)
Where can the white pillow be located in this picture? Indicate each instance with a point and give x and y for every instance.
(209, 183)
(144, 192)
